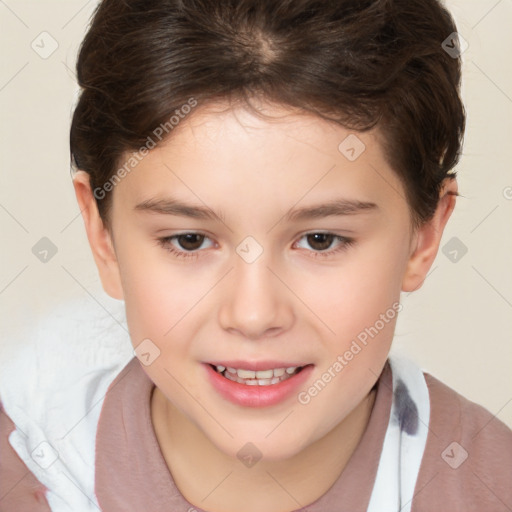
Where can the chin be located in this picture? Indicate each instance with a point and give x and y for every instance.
(250, 449)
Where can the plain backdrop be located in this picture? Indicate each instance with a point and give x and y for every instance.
(457, 326)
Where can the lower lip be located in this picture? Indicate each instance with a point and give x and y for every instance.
(257, 396)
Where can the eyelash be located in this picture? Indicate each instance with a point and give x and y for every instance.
(345, 243)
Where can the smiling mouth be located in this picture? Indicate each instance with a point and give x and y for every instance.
(258, 378)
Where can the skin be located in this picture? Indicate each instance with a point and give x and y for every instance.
(288, 304)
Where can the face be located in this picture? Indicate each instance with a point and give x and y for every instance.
(300, 261)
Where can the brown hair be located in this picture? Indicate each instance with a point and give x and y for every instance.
(361, 63)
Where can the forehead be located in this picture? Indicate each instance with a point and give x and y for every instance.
(233, 156)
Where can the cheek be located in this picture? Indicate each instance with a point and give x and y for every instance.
(156, 294)
(159, 305)
(351, 297)
(359, 301)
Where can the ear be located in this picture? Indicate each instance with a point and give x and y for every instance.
(99, 237)
(427, 238)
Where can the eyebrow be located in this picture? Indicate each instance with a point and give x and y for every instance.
(336, 207)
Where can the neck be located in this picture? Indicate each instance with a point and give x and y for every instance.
(211, 480)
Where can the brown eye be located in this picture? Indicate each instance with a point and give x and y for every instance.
(320, 241)
(324, 244)
(184, 245)
(190, 241)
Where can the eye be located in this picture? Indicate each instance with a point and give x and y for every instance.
(190, 242)
(187, 245)
(321, 241)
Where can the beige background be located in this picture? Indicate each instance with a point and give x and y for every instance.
(457, 327)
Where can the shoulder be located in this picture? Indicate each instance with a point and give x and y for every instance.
(467, 463)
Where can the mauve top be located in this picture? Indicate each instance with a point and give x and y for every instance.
(132, 475)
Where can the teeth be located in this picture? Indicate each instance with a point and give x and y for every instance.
(260, 374)
(260, 377)
(255, 382)
(246, 374)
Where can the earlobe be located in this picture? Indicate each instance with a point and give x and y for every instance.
(428, 237)
(100, 239)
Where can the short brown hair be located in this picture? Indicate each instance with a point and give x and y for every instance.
(361, 63)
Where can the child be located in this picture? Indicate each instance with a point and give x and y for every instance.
(307, 147)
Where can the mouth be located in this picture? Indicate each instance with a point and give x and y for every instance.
(258, 378)
(268, 383)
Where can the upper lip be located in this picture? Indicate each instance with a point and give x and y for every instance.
(256, 365)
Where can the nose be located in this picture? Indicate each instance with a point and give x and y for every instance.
(255, 303)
